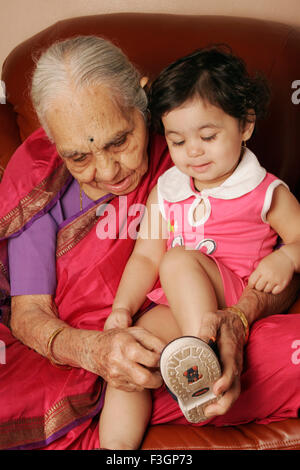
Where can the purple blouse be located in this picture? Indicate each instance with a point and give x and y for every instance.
(32, 264)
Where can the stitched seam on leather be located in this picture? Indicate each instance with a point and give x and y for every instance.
(227, 447)
(274, 445)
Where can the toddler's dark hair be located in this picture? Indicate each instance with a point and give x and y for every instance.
(215, 75)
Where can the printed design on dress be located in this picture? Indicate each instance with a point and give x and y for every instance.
(172, 225)
(207, 245)
(193, 239)
(177, 241)
(172, 229)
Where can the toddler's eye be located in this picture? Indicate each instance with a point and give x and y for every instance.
(209, 138)
(178, 143)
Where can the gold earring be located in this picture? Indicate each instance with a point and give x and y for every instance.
(244, 144)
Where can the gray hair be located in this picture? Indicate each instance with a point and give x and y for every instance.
(85, 61)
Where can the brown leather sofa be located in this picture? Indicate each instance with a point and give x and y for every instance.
(151, 41)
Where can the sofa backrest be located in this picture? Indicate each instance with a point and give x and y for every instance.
(152, 41)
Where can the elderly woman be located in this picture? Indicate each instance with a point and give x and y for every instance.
(70, 183)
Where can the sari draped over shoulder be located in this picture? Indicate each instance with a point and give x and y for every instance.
(41, 405)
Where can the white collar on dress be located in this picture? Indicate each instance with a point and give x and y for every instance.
(175, 186)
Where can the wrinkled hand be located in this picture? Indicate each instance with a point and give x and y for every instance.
(229, 332)
(119, 318)
(125, 358)
(273, 273)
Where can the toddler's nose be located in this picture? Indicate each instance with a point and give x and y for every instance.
(194, 149)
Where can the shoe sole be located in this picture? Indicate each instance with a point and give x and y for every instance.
(189, 368)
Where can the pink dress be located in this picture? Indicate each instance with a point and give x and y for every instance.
(232, 228)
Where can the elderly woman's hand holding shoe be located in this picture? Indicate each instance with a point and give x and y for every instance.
(230, 328)
(122, 357)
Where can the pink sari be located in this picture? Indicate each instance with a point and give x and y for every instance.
(41, 405)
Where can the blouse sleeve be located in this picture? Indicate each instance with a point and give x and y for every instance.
(32, 264)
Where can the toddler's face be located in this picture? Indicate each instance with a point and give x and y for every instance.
(204, 141)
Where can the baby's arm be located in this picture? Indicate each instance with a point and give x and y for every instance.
(276, 270)
(141, 271)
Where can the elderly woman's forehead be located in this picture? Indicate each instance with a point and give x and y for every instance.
(89, 111)
(100, 97)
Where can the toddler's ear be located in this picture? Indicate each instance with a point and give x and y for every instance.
(249, 125)
(144, 81)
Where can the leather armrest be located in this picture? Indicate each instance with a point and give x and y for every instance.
(283, 435)
(9, 134)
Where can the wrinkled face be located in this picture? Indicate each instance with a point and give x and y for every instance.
(204, 141)
(104, 147)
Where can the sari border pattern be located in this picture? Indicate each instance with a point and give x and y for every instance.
(4, 286)
(3, 270)
(33, 202)
(70, 235)
(37, 430)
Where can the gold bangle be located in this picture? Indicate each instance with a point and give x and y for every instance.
(49, 353)
(237, 311)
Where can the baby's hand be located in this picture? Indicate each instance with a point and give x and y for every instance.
(273, 273)
(119, 318)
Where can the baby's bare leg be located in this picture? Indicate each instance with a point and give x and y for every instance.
(125, 415)
(193, 285)
(161, 322)
(124, 419)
